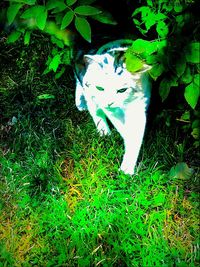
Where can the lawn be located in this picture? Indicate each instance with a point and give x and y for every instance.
(63, 201)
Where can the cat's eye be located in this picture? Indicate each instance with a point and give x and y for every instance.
(122, 90)
(100, 88)
(87, 84)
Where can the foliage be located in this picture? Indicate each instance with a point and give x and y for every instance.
(55, 18)
(175, 58)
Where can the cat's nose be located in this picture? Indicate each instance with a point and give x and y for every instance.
(110, 104)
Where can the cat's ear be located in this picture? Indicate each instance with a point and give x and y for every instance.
(137, 75)
(88, 59)
(145, 68)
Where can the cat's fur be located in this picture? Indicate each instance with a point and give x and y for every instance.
(106, 89)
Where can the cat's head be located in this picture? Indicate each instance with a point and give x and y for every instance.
(109, 82)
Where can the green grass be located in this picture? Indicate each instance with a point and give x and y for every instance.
(63, 200)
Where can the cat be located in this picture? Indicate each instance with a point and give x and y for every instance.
(108, 90)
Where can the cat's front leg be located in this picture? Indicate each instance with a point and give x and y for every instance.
(80, 98)
(132, 142)
(99, 118)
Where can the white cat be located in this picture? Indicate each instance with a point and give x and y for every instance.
(108, 90)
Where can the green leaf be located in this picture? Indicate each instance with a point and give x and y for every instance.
(27, 37)
(46, 96)
(59, 4)
(83, 27)
(133, 63)
(67, 19)
(56, 41)
(30, 12)
(186, 116)
(162, 29)
(55, 63)
(13, 37)
(70, 2)
(152, 59)
(197, 79)
(156, 71)
(12, 12)
(181, 171)
(164, 88)
(145, 10)
(192, 94)
(136, 22)
(193, 52)
(180, 66)
(87, 10)
(105, 17)
(196, 133)
(41, 18)
(27, 2)
(178, 7)
(150, 20)
(139, 46)
(186, 77)
(39, 13)
(160, 16)
(60, 73)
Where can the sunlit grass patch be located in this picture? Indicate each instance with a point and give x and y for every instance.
(64, 201)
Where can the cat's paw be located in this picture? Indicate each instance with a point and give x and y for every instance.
(81, 107)
(127, 169)
(104, 131)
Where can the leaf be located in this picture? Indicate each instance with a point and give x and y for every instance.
(162, 29)
(55, 63)
(196, 133)
(139, 46)
(83, 27)
(59, 4)
(156, 71)
(181, 171)
(27, 37)
(39, 13)
(193, 52)
(41, 18)
(150, 20)
(12, 12)
(27, 2)
(67, 19)
(180, 66)
(187, 77)
(70, 2)
(105, 17)
(30, 13)
(178, 7)
(60, 73)
(87, 10)
(144, 11)
(186, 116)
(133, 63)
(192, 94)
(46, 96)
(164, 88)
(197, 79)
(160, 16)
(56, 41)
(13, 37)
